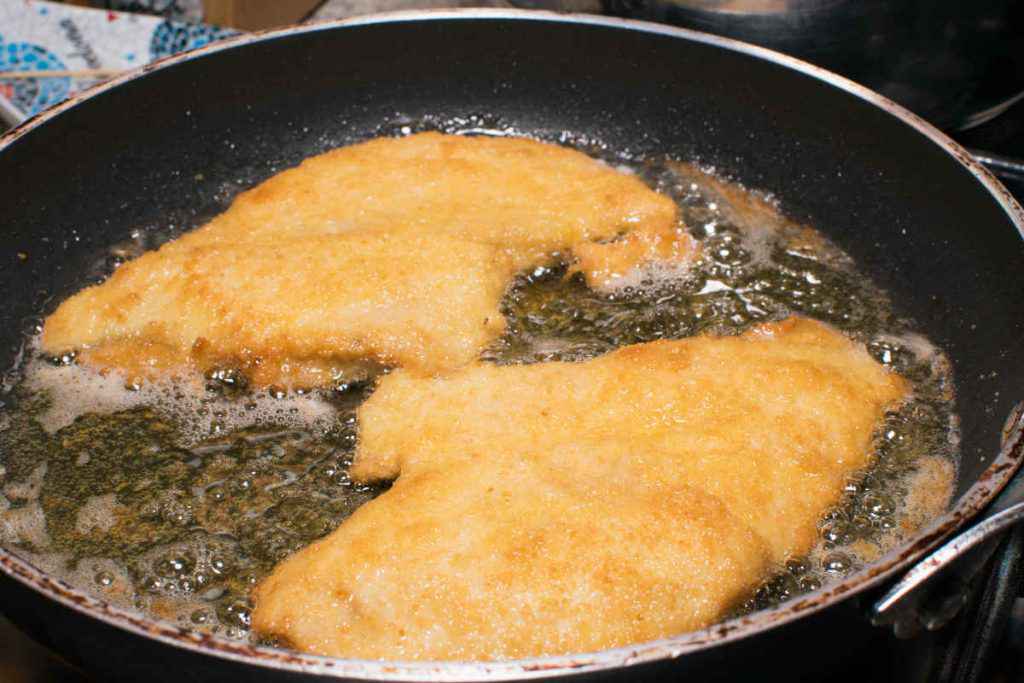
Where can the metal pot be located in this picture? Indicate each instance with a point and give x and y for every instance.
(956, 64)
(921, 218)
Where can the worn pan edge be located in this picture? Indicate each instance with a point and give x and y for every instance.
(991, 481)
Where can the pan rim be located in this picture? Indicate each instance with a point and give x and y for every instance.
(970, 503)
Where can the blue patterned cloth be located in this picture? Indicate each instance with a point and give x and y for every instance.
(32, 95)
(172, 37)
(41, 36)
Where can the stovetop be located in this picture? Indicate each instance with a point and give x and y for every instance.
(1000, 141)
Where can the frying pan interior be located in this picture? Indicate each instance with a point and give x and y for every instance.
(172, 147)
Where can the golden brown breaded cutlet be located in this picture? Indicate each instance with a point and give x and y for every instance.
(396, 250)
(569, 507)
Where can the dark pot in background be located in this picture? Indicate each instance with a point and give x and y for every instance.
(954, 63)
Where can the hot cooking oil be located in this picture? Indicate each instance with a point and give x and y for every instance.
(177, 503)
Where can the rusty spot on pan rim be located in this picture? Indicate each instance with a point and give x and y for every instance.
(976, 498)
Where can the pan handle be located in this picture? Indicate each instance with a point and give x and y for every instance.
(934, 590)
(1002, 167)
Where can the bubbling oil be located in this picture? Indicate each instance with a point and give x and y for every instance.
(176, 498)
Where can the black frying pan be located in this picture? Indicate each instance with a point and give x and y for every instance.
(170, 144)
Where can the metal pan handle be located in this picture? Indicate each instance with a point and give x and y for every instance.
(933, 591)
(1003, 167)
